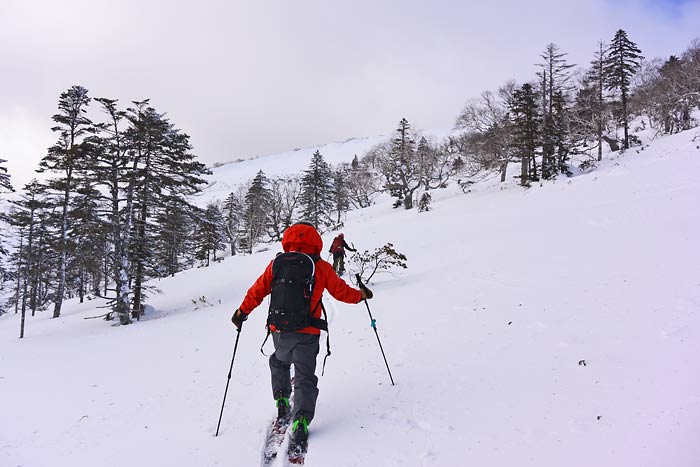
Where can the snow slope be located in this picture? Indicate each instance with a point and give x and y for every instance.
(508, 293)
(228, 177)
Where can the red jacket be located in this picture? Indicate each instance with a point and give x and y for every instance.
(305, 239)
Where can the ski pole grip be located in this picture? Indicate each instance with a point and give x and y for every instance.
(359, 282)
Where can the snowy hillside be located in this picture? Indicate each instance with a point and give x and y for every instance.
(548, 327)
(227, 177)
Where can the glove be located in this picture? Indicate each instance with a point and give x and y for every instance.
(238, 318)
(366, 293)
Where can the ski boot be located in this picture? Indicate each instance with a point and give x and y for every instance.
(282, 406)
(300, 435)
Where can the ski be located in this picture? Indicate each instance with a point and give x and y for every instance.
(296, 453)
(275, 437)
(276, 433)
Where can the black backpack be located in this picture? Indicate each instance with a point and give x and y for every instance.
(292, 288)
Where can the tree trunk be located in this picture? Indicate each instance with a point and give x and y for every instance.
(614, 146)
(19, 270)
(503, 169)
(524, 170)
(58, 299)
(81, 287)
(140, 241)
(624, 117)
(120, 235)
(21, 326)
(600, 138)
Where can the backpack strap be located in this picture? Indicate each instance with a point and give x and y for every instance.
(328, 338)
(319, 323)
(266, 338)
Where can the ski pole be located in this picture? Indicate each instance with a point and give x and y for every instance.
(235, 347)
(374, 326)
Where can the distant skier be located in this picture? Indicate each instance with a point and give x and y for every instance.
(296, 280)
(338, 250)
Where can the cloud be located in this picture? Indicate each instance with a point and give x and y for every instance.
(256, 77)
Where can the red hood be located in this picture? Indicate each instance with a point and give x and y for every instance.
(303, 238)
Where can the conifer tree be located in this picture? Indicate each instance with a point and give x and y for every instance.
(173, 239)
(256, 218)
(233, 219)
(210, 235)
(317, 193)
(589, 115)
(114, 165)
(596, 76)
(87, 238)
(401, 170)
(167, 171)
(424, 203)
(7, 186)
(26, 217)
(4, 177)
(66, 158)
(622, 61)
(669, 92)
(554, 78)
(341, 197)
(526, 122)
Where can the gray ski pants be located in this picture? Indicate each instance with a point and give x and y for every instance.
(301, 350)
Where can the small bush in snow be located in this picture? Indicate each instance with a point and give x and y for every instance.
(384, 259)
(424, 203)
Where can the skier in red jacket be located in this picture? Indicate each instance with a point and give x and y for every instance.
(338, 250)
(299, 347)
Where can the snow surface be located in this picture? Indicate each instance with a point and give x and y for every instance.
(548, 327)
(228, 177)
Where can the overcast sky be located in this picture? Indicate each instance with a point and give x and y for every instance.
(263, 76)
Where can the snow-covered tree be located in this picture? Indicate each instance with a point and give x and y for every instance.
(28, 218)
(623, 59)
(590, 113)
(554, 79)
(4, 177)
(66, 159)
(210, 235)
(363, 185)
(167, 171)
(316, 198)
(255, 215)
(233, 219)
(488, 144)
(526, 124)
(284, 204)
(114, 166)
(341, 194)
(400, 166)
(87, 239)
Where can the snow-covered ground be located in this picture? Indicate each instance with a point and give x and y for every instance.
(548, 327)
(228, 177)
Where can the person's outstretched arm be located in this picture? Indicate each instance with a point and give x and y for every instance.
(258, 291)
(337, 286)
